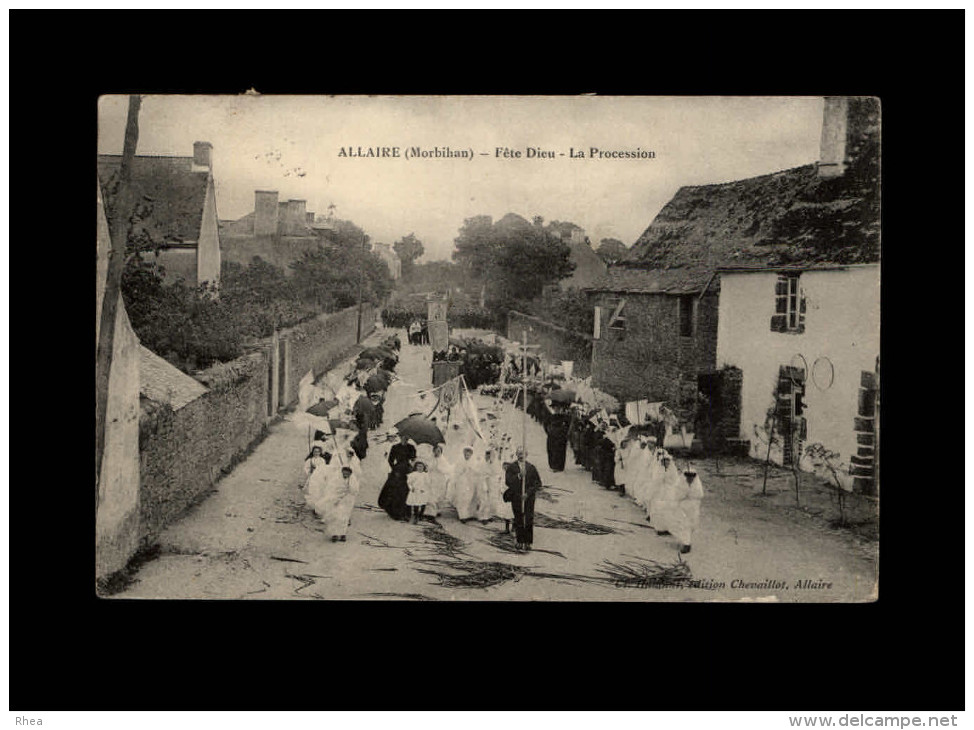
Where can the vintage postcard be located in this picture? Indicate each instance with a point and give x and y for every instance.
(491, 348)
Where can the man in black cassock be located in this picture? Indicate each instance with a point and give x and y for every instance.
(557, 427)
(523, 514)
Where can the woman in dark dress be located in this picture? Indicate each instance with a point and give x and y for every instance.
(606, 459)
(574, 435)
(558, 424)
(394, 492)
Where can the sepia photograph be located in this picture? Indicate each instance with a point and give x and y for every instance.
(488, 348)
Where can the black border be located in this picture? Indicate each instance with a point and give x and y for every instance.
(71, 651)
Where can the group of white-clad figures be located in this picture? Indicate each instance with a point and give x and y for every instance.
(670, 496)
(332, 486)
(474, 485)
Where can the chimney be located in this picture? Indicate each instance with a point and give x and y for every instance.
(203, 155)
(310, 217)
(265, 212)
(296, 216)
(832, 157)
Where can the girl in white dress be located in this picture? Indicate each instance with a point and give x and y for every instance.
(441, 475)
(494, 480)
(466, 477)
(334, 500)
(315, 461)
(637, 469)
(689, 511)
(483, 497)
(665, 506)
(419, 490)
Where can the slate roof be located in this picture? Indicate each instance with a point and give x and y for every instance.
(172, 193)
(653, 281)
(164, 383)
(792, 217)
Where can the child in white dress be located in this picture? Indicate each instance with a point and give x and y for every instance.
(419, 491)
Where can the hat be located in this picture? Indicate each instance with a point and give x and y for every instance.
(419, 463)
(468, 448)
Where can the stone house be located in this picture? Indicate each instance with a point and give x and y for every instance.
(588, 266)
(654, 333)
(753, 291)
(388, 254)
(178, 223)
(277, 231)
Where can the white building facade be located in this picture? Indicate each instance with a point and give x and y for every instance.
(807, 343)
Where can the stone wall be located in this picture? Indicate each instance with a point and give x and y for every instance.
(184, 452)
(557, 343)
(320, 344)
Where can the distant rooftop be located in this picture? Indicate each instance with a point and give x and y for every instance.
(171, 191)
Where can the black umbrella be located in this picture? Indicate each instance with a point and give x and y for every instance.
(377, 382)
(421, 430)
(562, 395)
(365, 363)
(322, 407)
(377, 353)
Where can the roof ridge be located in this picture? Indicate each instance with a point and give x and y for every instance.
(155, 157)
(745, 179)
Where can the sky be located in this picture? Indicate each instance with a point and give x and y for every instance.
(292, 144)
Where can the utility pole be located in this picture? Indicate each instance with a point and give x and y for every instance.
(361, 282)
(524, 431)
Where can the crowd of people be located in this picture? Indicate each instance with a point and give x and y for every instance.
(424, 482)
(478, 363)
(629, 458)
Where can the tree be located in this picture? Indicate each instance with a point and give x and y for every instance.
(611, 250)
(513, 258)
(331, 275)
(119, 224)
(409, 248)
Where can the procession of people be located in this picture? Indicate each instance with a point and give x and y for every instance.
(442, 463)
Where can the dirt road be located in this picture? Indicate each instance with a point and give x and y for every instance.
(255, 539)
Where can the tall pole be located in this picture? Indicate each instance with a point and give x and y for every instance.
(119, 227)
(524, 433)
(361, 280)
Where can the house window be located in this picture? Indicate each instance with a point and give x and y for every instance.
(789, 309)
(617, 320)
(688, 307)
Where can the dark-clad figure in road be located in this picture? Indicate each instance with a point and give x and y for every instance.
(523, 512)
(395, 491)
(557, 427)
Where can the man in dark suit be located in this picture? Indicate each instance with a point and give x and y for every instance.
(522, 501)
